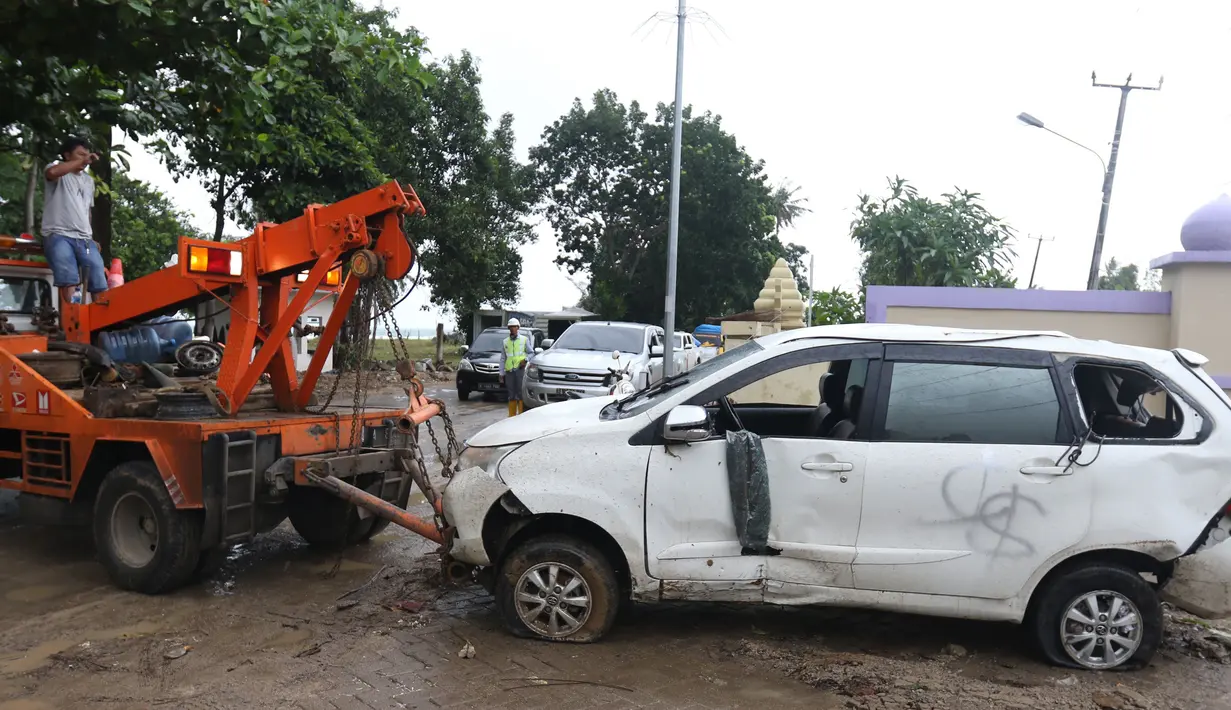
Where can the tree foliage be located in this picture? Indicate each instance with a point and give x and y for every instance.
(836, 307)
(605, 172)
(909, 240)
(1119, 277)
(478, 196)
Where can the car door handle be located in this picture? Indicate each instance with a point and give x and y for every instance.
(832, 467)
(1047, 470)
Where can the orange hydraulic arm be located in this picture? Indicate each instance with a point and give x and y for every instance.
(257, 272)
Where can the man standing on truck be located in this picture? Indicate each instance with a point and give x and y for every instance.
(68, 235)
(513, 366)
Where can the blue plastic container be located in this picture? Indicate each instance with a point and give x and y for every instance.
(154, 342)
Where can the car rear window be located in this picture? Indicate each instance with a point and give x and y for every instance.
(931, 401)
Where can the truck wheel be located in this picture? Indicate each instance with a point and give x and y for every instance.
(557, 588)
(146, 544)
(379, 526)
(463, 394)
(325, 520)
(1098, 618)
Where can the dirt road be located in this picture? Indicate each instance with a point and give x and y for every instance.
(279, 627)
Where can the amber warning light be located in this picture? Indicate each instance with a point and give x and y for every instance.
(204, 260)
(332, 278)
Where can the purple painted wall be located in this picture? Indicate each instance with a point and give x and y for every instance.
(880, 298)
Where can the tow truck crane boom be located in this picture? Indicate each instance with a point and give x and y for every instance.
(365, 229)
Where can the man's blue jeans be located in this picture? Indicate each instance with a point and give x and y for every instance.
(68, 255)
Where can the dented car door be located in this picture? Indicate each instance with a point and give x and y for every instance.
(969, 488)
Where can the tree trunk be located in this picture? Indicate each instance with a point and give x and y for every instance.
(220, 208)
(102, 202)
(32, 186)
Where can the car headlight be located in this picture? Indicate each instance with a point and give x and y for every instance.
(534, 373)
(465, 365)
(485, 457)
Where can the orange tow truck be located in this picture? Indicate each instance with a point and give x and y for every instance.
(172, 470)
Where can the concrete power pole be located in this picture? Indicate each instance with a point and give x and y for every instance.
(1127, 86)
(1037, 248)
(673, 231)
(811, 287)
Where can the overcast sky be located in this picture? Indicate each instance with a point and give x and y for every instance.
(835, 97)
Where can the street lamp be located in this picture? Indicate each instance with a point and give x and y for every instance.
(1032, 121)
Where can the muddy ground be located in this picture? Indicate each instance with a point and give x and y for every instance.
(285, 626)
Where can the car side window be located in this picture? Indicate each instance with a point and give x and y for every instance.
(1127, 404)
(987, 404)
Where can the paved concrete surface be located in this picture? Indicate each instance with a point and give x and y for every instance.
(280, 627)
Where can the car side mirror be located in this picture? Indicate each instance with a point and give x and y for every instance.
(656, 351)
(547, 343)
(537, 351)
(464, 349)
(687, 423)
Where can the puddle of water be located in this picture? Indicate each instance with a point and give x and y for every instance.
(26, 661)
(346, 566)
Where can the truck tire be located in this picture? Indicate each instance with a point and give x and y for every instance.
(145, 543)
(581, 608)
(324, 520)
(379, 526)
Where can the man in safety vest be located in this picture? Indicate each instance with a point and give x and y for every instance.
(513, 355)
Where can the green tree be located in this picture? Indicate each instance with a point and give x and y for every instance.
(478, 196)
(1117, 277)
(787, 206)
(909, 240)
(295, 135)
(147, 226)
(605, 170)
(836, 307)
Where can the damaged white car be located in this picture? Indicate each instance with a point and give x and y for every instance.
(1008, 476)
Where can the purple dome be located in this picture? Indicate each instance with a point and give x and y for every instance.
(1209, 228)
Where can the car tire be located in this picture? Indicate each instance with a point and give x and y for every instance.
(1093, 593)
(145, 543)
(463, 394)
(582, 572)
(325, 520)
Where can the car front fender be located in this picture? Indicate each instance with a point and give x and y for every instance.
(467, 498)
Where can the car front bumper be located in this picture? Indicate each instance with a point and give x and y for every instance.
(467, 498)
(536, 394)
(478, 381)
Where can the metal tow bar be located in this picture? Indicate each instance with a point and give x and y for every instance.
(378, 507)
(319, 474)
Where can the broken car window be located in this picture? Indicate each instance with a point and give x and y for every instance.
(971, 403)
(1123, 403)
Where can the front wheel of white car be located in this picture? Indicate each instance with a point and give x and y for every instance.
(557, 588)
(1101, 617)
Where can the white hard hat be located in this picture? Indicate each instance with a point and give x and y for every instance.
(514, 322)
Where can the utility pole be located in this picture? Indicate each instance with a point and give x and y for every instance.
(811, 286)
(1038, 247)
(1110, 175)
(673, 231)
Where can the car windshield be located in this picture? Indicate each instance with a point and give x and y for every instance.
(21, 295)
(643, 400)
(603, 338)
(488, 342)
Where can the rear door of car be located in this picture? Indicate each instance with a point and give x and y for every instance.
(968, 490)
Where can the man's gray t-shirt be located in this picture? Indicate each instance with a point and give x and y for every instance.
(66, 205)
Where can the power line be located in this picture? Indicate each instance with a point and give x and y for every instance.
(1037, 248)
(1110, 175)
